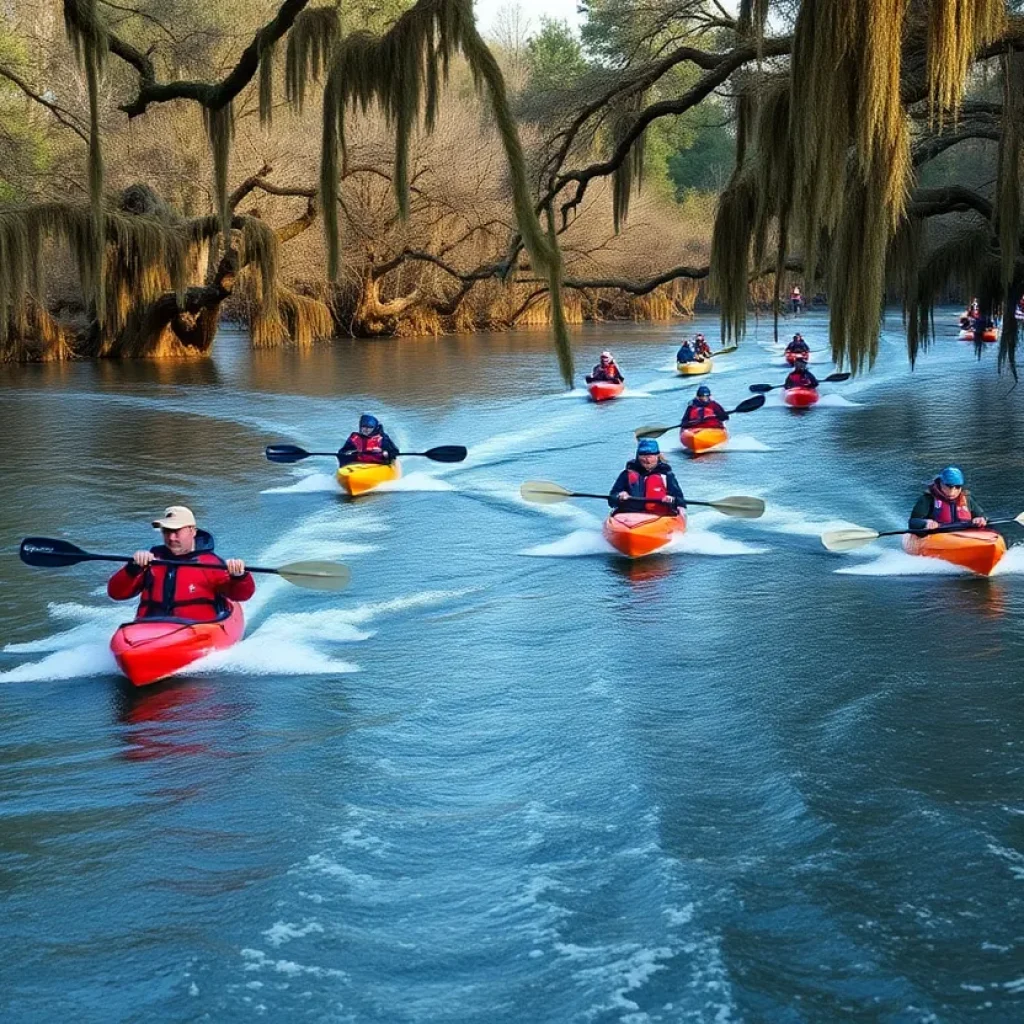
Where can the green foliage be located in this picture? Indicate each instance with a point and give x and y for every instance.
(554, 57)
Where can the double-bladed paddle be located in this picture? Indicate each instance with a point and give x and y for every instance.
(48, 553)
(728, 350)
(854, 537)
(541, 492)
(293, 453)
(832, 378)
(747, 405)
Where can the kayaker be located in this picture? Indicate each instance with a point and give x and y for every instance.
(701, 349)
(796, 298)
(1018, 313)
(974, 309)
(686, 354)
(800, 377)
(945, 502)
(647, 476)
(368, 444)
(196, 588)
(606, 370)
(798, 347)
(704, 411)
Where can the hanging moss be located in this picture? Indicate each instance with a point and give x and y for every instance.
(266, 85)
(1008, 179)
(629, 174)
(310, 42)
(219, 123)
(956, 29)
(401, 73)
(88, 38)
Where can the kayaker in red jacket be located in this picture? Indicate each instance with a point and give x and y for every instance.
(701, 348)
(647, 477)
(194, 589)
(704, 411)
(368, 444)
(946, 502)
(606, 370)
(801, 377)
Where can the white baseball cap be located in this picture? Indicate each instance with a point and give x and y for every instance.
(175, 517)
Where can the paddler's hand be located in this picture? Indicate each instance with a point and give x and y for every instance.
(143, 558)
(931, 524)
(980, 521)
(235, 566)
(669, 500)
(622, 497)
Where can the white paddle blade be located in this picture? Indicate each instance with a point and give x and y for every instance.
(542, 492)
(317, 575)
(740, 507)
(848, 540)
(641, 432)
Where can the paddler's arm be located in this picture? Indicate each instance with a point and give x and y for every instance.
(672, 485)
(390, 448)
(621, 484)
(978, 516)
(920, 518)
(237, 585)
(127, 582)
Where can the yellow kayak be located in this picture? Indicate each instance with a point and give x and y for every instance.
(360, 477)
(689, 369)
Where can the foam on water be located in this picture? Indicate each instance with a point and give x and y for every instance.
(576, 544)
(695, 541)
(416, 482)
(899, 563)
(308, 483)
(79, 662)
(1012, 562)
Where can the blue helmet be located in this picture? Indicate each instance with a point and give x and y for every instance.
(952, 476)
(703, 391)
(648, 446)
(366, 420)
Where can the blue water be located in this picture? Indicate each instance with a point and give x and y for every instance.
(508, 776)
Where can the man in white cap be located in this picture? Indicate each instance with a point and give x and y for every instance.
(195, 588)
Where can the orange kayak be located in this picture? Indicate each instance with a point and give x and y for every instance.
(800, 398)
(150, 649)
(603, 390)
(977, 550)
(636, 534)
(700, 439)
(990, 335)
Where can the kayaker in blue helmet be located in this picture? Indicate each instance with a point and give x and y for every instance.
(368, 444)
(946, 502)
(645, 480)
(704, 411)
(686, 354)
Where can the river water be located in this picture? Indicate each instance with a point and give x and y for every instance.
(507, 776)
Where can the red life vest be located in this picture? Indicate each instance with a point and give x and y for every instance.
(653, 486)
(946, 512)
(800, 379)
(702, 415)
(368, 449)
(196, 589)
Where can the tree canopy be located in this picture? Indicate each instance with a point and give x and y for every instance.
(871, 148)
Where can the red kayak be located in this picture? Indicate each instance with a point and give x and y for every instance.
(800, 398)
(603, 390)
(150, 649)
(792, 357)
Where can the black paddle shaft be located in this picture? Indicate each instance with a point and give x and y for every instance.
(44, 552)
